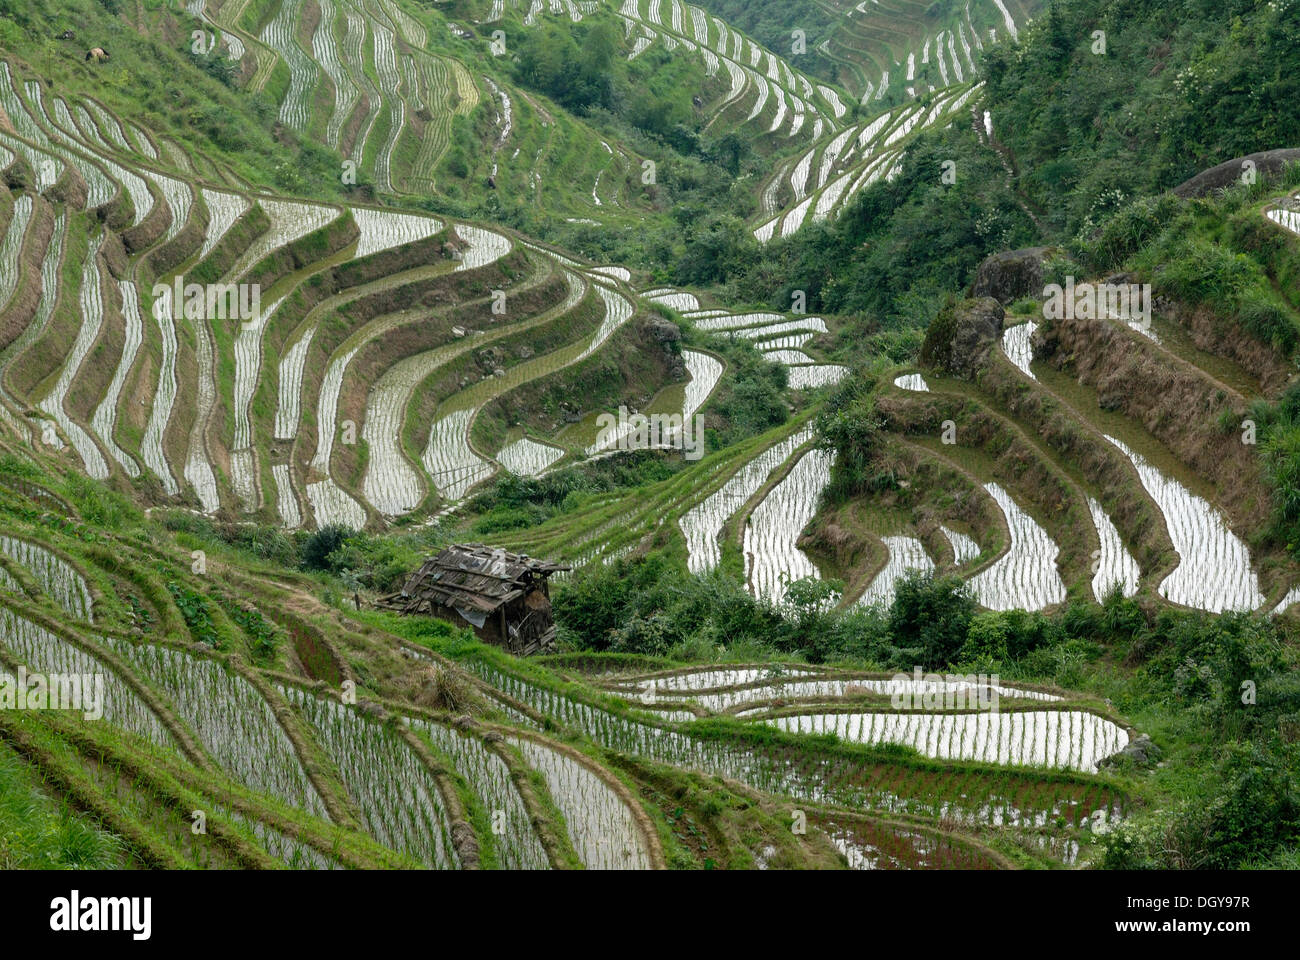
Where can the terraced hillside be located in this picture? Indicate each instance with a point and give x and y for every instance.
(384, 375)
(421, 104)
(885, 51)
(822, 182)
(878, 48)
(316, 739)
(846, 588)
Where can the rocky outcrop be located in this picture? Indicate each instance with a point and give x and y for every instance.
(1140, 750)
(1012, 274)
(961, 334)
(1267, 163)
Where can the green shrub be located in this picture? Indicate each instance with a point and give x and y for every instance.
(317, 548)
(932, 614)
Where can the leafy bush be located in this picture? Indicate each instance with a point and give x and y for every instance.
(932, 614)
(317, 547)
(194, 610)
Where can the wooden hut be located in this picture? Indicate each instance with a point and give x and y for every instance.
(504, 597)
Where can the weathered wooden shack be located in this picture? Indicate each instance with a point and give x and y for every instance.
(504, 597)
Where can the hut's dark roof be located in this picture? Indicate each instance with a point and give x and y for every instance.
(473, 576)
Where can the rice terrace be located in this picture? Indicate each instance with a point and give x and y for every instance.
(649, 435)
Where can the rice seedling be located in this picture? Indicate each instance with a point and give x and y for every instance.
(326, 410)
(790, 358)
(286, 503)
(223, 210)
(675, 300)
(618, 273)
(906, 554)
(58, 579)
(12, 245)
(699, 25)
(798, 177)
(876, 846)
(830, 96)
(1061, 739)
(102, 187)
(293, 853)
(79, 120)
(1016, 345)
(412, 30)
(179, 200)
(964, 548)
(829, 199)
(1115, 565)
(815, 324)
(248, 365)
(744, 701)
(354, 38)
(767, 231)
(517, 845)
(1214, 572)
(105, 414)
(325, 50)
(1290, 600)
(51, 266)
(289, 398)
(705, 371)
(383, 229)
(912, 381)
(453, 466)
(1007, 19)
(831, 154)
(707, 679)
(232, 720)
(198, 471)
(781, 108)
(1283, 217)
(772, 559)
(722, 320)
(790, 341)
(795, 218)
(44, 652)
(618, 310)
(390, 80)
(702, 523)
(332, 506)
(92, 316)
(48, 168)
(1024, 577)
(605, 833)
(528, 458)
(816, 376)
(279, 36)
(164, 398)
(111, 126)
(290, 221)
(485, 246)
(777, 772)
(641, 44)
(398, 798)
